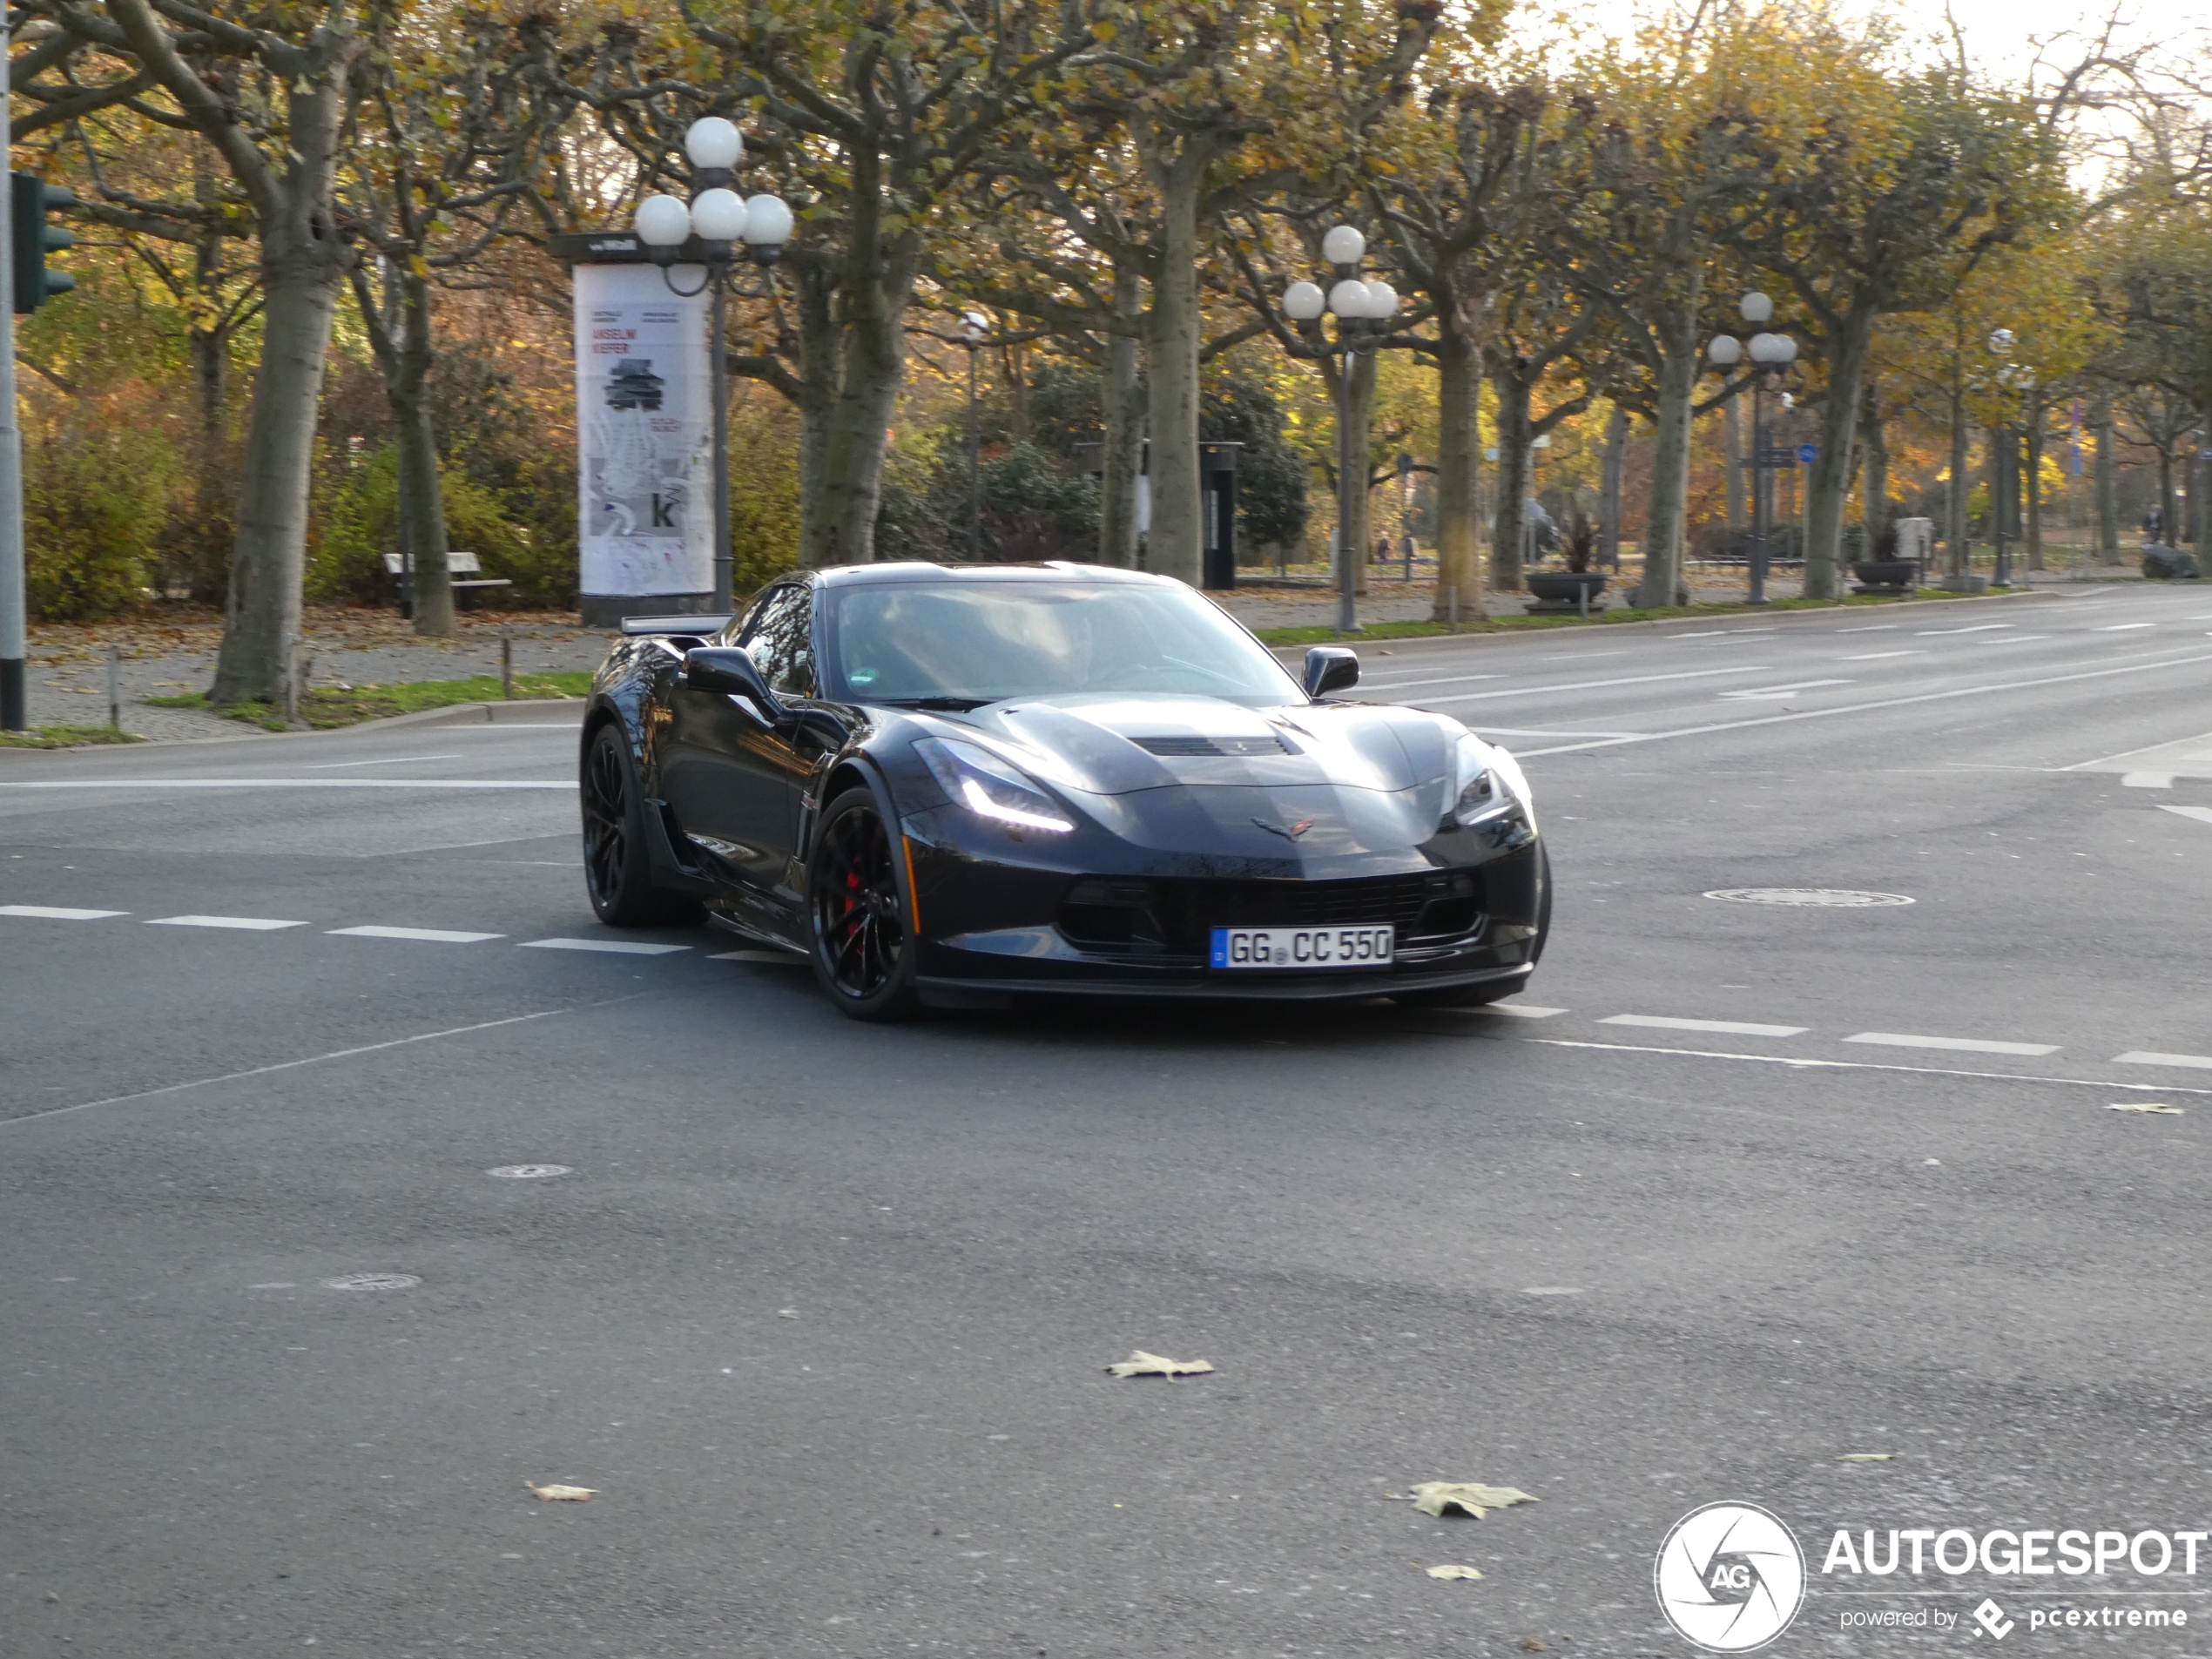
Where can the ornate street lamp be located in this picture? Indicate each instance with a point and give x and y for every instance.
(1363, 311)
(1771, 353)
(719, 219)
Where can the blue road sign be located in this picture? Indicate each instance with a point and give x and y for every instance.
(1808, 453)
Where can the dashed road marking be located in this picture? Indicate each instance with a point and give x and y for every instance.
(243, 924)
(1751, 693)
(395, 761)
(57, 913)
(1516, 1010)
(1964, 1045)
(2122, 627)
(613, 947)
(1737, 1028)
(1878, 655)
(2203, 814)
(2147, 780)
(1978, 628)
(1798, 1063)
(2144, 1057)
(428, 935)
(1591, 685)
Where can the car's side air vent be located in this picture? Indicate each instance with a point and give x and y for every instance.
(1178, 744)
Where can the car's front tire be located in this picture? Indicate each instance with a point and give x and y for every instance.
(617, 872)
(860, 912)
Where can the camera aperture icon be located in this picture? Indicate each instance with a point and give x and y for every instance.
(1730, 1577)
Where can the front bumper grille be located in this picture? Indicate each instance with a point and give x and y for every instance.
(1124, 916)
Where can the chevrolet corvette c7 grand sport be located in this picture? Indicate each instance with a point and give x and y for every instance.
(946, 785)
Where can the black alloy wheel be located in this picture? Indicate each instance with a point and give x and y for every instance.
(864, 939)
(617, 873)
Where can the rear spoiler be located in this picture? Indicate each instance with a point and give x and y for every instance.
(700, 624)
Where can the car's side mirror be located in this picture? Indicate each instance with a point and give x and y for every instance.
(730, 669)
(1331, 668)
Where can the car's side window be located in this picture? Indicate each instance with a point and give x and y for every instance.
(781, 638)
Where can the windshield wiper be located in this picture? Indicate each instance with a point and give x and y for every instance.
(947, 705)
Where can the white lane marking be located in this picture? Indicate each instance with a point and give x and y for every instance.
(1964, 1045)
(246, 924)
(1704, 633)
(1517, 1010)
(1735, 1028)
(2102, 761)
(1978, 628)
(1754, 693)
(1871, 627)
(613, 947)
(428, 936)
(1591, 685)
(2122, 627)
(779, 958)
(57, 913)
(1534, 731)
(2145, 1057)
(1800, 1064)
(1575, 656)
(335, 1054)
(2145, 780)
(1447, 679)
(1877, 656)
(282, 783)
(2203, 814)
(1868, 708)
(396, 761)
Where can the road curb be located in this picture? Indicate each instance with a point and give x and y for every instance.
(1393, 643)
(455, 714)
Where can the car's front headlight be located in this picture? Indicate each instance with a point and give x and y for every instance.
(1488, 783)
(991, 787)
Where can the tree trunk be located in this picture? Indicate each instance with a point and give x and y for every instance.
(873, 352)
(1173, 546)
(1828, 488)
(1662, 537)
(1874, 493)
(1732, 431)
(819, 364)
(1360, 493)
(424, 498)
(1458, 439)
(1616, 464)
(1508, 540)
(2108, 492)
(301, 270)
(1123, 420)
(1954, 526)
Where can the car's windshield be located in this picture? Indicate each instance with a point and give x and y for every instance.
(966, 642)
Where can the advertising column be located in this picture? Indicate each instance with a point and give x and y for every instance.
(645, 519)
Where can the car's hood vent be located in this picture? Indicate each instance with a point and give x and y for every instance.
(1192, 743)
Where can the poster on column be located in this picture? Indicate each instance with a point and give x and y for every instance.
(644, 432)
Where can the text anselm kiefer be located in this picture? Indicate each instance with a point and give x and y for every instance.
(1956, 1552)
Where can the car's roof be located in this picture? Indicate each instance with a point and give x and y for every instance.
(1055, 570)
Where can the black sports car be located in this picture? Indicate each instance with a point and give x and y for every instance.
(946, 785)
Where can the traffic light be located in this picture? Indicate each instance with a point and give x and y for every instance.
(30, 199)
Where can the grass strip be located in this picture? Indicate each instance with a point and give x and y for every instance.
(65, 736)
(325, 707)
(1323, 635)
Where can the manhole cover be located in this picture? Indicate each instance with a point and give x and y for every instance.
(1814, 898)
(529, 1171)
(372, 1282)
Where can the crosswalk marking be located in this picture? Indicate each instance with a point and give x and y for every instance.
(57, 913)
(1740, 1027)
(428, 935)
(2144, 1057)
(2203, 814)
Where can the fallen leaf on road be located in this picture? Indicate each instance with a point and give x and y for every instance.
(1434, 1497)
(1864, 1457)
(1454, 1572)
(573, 1494)
(2144, 1106)
(1141, 1364)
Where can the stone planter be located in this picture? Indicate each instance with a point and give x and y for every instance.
(1553, 593)
(1885, 576)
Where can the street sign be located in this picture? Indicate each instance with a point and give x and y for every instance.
(1808, 453)
(1778, 455)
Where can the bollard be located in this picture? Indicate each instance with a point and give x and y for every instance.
(115, 686)
(506, 661)
(292, 679)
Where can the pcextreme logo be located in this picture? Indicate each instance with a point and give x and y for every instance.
(1730, 1577)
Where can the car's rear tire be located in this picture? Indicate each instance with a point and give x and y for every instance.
(860, 913)
(618, 871)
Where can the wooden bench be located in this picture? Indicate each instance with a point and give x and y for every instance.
(464, 570)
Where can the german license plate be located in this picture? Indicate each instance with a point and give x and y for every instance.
(1236, 949)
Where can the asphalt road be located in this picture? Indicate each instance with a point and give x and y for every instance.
(821, 1311)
